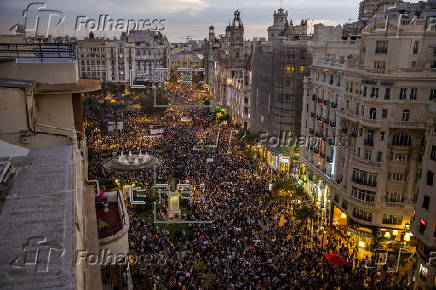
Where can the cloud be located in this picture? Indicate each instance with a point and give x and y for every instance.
(188, 17)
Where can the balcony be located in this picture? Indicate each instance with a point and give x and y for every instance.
(408, 125)
(394, 204)
(326, 102)
(333, 124)
(367, 162)
(334, 105)
(319, 117)
(363, 203)
(38, 52)
(326, 120)
(111, 216)
(312, 114)
(321, 101)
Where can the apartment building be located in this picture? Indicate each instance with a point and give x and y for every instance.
(47, 203)
(48, 208)
(381, 115)
(279, 66)
(423, 223)
(323, 93)
(137, 54)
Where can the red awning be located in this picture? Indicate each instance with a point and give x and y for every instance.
(335, 259)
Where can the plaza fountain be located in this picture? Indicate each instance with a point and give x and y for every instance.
(131, 161)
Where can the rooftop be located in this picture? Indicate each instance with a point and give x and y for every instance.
(37, 223)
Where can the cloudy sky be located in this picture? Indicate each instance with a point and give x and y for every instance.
(182, 17)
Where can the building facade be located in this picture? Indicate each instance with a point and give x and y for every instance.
(278, 69)
(137, 54)
(381, 101)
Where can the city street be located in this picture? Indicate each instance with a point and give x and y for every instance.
(253, 240)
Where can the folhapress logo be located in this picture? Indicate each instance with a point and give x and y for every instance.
(38, 19)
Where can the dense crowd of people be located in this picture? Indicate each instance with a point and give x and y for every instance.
(252, 242)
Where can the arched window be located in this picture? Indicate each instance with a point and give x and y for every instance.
(401, 139)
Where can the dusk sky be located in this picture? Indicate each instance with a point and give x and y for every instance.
(185, 17)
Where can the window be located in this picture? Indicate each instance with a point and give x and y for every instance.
(430, 178)
(382, 135)
(374, 92)
(387, 93)
(433, 153)
(379, 156)
(361, 214)
(379, 65)
(365, 195)
(365, 90)
(392, 219)
(399, 157)
(432, 94)
(415, 47)
(384, 113)
(406, 115)
(394, 197)
(426, 202)
(381, 47)
(368, 155)
(413, 93)
(364, 178)
(401, 139)
(397, 177)
(372, 113)
(403, 92)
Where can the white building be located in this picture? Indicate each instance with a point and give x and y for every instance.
(381, 96)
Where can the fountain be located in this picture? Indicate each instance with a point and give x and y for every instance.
(131, 161)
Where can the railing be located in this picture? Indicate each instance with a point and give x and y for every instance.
(41, 51)
(363, 202)
(412, 125)
(334, 105)
(395, 204)
(367, 162)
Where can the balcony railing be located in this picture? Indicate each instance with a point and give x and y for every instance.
(44, 52)
(411, 125)
(334, 105)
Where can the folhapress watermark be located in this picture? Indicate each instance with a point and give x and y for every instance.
(37, 255)
(105, 257)
(104, 22)
(40, 20)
